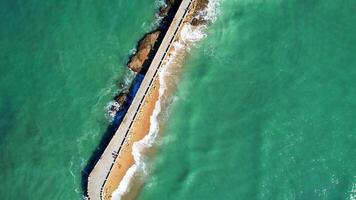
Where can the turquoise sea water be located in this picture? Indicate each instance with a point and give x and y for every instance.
(59, 63)
(266, 107)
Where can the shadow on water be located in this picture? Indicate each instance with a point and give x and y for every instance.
(111, 129)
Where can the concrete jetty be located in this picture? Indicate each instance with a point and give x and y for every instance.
(103, 167)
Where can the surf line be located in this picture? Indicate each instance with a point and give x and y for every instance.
(142, 99)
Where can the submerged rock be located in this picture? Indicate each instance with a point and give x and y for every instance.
(121, 98)
(164, 10)
(198, 10)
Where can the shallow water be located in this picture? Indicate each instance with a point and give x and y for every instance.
(60, 61)
(266, 107)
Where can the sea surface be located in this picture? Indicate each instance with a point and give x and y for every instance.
(266, 108)
(60, 62)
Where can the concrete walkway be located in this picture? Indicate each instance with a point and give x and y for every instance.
(102, 169)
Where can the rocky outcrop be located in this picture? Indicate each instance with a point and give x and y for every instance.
(199, 7)
(146, 44)
(118, 103)
(144, 48)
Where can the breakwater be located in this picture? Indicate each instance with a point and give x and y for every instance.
(104, 164)
(123, 100)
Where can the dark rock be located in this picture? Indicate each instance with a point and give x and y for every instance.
(121, 98)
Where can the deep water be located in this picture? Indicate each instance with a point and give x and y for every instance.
(59, 65)
(266, 107)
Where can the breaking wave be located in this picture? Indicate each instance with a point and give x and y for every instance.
(187, 37)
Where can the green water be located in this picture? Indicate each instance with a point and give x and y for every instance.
(266, 107)
(59, 64)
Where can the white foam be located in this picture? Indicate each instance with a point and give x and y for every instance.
(160, 3)
(188, 36)
(210, 13)
(128, 77)
(158, 18)
(192, 34)
(124, 85)
(111, 109)
(139, 167)
(352, 192)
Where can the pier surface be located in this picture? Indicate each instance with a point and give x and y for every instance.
(103, 167)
